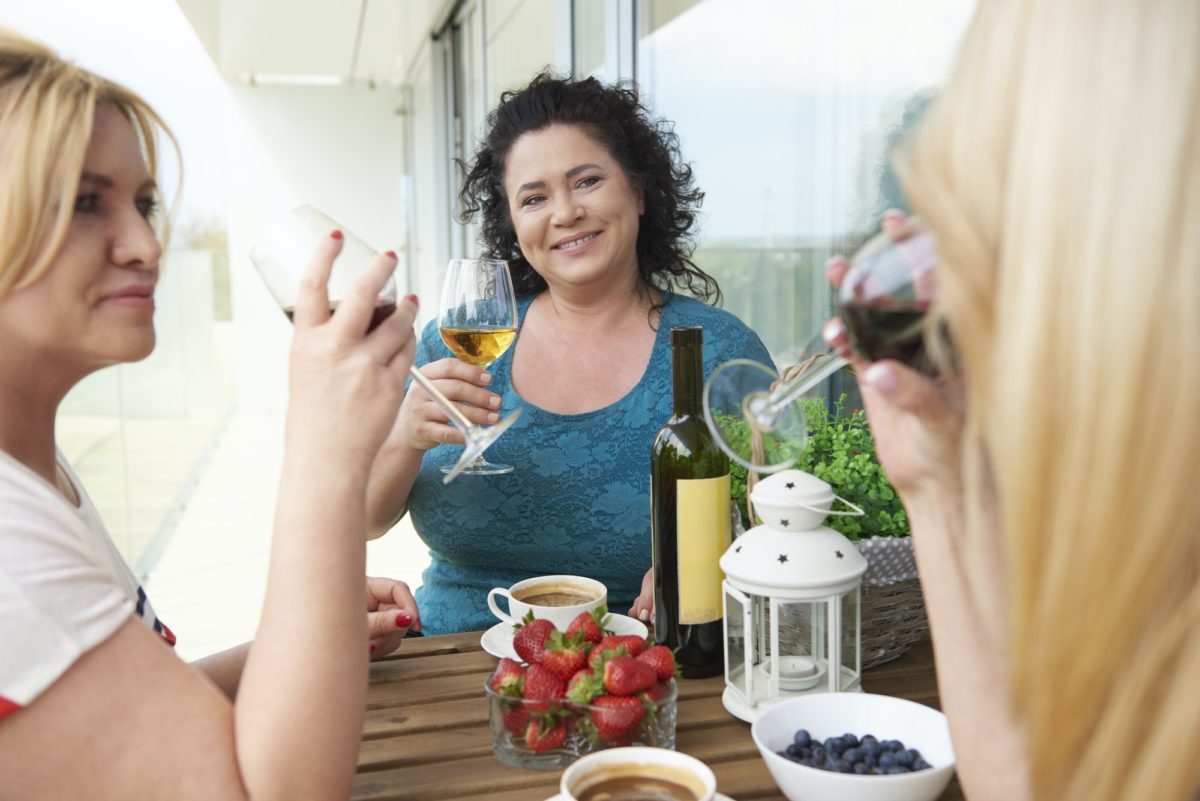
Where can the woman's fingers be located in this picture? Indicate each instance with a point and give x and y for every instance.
(643, 607)
(357, 307)
(312, 296)
(395, 334)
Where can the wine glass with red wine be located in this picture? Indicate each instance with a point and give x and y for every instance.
(758, 419)
(280, 256)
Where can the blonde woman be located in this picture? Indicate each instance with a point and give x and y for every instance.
(1051, 485)
(93, 702)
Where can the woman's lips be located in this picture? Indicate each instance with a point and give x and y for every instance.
(577, 243)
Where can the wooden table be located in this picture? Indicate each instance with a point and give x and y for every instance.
(426, 733)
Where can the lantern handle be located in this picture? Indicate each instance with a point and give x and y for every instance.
(858, 512)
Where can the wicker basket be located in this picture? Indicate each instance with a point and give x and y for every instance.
(893, 609)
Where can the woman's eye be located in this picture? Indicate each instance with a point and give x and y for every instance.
(532, 200)
(591, 180)
(87, 203)
(147, 206)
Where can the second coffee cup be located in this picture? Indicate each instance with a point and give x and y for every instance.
(558, 599)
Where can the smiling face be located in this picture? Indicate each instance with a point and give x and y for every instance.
(573, 208)
(95, 304)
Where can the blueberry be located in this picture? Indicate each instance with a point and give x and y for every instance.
(852, 755)
(861, 768)
(831, 744)
(905, 759)
(895, 771)
(887, 760)
(819, 753)
(802, 738)
(869, 738)
(850, 740)
(921, 764)
(894, 745)
(794, 750)
(870, 747)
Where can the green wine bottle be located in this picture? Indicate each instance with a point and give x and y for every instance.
(689, 527)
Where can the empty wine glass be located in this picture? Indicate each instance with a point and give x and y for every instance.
(477, 319)
(280, 255)
(758, 419)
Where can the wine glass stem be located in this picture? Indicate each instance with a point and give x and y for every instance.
(787, 394)
(441, 399)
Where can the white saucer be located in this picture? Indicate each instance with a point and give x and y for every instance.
(497, 640)
(717, 797)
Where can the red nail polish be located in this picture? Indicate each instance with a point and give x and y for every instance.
(372, 648)
(392, 255)
(403, 620)
(336, 235)
(413, 300)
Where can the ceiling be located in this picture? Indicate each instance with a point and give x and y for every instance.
(351, 40)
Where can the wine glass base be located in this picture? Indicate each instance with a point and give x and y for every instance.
(485, 469)
(731, 401)
(478, 439)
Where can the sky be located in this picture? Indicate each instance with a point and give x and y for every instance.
(148, 46)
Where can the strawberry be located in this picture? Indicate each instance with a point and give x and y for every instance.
(624, 675)
(516, 719)
(584, 686)
(544, 734)
(656, 693)
(529, 638)
(591, 624)
(509, 678)
(611, 645)
(542, 685)
(563, 655)
(616, 719)
(661, 659)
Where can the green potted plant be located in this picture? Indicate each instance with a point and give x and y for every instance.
(841, 452)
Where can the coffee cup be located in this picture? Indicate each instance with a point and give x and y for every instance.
(558, 599)
(652, 773)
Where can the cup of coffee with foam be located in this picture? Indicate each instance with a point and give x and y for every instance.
(558, 599)
(638, 774)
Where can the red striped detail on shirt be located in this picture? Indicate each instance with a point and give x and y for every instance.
(7, 707)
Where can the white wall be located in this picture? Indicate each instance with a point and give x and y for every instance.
(340, 149)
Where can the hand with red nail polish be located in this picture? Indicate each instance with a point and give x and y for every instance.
(391, 614)
(916, 420)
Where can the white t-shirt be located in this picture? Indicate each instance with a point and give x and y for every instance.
(64, 587)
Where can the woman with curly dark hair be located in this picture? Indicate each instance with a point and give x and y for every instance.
(589, 200)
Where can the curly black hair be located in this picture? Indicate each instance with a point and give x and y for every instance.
(647, 149)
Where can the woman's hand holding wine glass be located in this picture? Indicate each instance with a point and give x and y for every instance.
(342, 372)
(916, 418)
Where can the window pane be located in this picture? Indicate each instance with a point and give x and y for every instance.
(520, 42)
(787, 109)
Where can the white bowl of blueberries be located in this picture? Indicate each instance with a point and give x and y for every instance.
(855, 747)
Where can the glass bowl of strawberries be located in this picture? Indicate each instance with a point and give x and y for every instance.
(579, 691)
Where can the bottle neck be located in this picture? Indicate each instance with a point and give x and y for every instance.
(686, 372)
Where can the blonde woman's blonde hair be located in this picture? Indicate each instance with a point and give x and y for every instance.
(1060, 171)
(47, 108)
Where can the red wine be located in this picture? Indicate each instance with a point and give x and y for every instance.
(895, 332)
(383, 310)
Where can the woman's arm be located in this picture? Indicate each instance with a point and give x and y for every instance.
(421, 425)
(130, 720)
(224, 668)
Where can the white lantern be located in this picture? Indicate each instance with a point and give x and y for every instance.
(792, 603)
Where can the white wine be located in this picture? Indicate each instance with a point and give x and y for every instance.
(480, 346)
(690, 523)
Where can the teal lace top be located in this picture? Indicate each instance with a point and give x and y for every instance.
(578, 501)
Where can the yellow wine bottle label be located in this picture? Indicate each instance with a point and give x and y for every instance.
(702, 532)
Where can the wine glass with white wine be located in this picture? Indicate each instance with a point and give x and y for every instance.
(757, 416)
(280, 254)
(478, 322)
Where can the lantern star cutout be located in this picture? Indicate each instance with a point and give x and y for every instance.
(840, 555)
(784, 523)
(782, 558)
(790, 485)
(737, 549)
